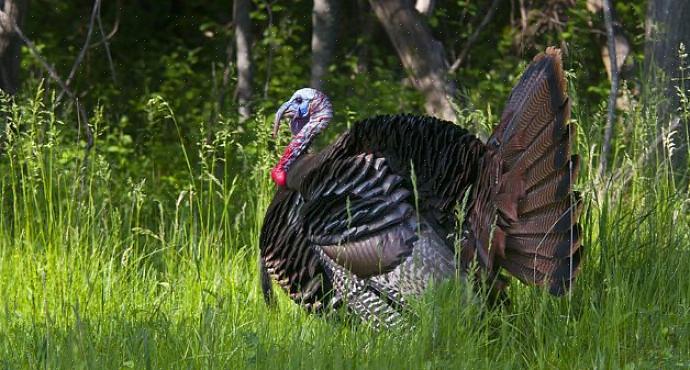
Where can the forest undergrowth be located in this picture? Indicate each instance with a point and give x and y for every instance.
(109, 261)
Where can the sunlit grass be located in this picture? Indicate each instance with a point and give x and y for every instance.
(97, 271)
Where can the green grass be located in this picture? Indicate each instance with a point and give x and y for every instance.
(103, 270)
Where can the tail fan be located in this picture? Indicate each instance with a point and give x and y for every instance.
(524, 212)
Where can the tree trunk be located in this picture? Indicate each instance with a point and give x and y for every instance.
(422, 56)
(667, 27)
(623, 50)
(323, 38)
(11, 11)
(367, 23)
(242, 23)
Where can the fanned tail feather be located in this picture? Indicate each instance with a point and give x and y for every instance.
(524, 212)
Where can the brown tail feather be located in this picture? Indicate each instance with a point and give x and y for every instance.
(536, 149)
(523, 215)
(548, 192)
(549, 246)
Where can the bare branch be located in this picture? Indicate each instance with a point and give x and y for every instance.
(227, 69)
(473, 37)
(106, 44)
(116, 27)
(613, 94)
(82, 52)
(10, 53)
(523, 23)
(222, 91)
(83, 117)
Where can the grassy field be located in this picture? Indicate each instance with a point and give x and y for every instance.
(99, 269)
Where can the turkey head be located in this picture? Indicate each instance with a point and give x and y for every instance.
(309, 111)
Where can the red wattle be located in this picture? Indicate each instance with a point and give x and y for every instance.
(279, 176)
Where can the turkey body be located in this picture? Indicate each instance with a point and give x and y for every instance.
(371, 220)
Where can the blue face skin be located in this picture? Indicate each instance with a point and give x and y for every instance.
(301, 108)
(298, 108)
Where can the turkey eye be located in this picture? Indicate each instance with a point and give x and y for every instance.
(298, 100)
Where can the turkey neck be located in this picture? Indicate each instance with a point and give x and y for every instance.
(300, 168)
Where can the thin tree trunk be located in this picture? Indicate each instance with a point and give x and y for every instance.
(622, 45)
(367, 22)
(12, 12)
(242, 23)
(323, 39)
(613, 93)
(667, 27)
(422, 56)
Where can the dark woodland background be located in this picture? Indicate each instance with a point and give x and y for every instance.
(220, 62)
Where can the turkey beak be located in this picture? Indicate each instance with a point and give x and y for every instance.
(284, 109)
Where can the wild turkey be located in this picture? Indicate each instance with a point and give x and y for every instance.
(369, 220)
